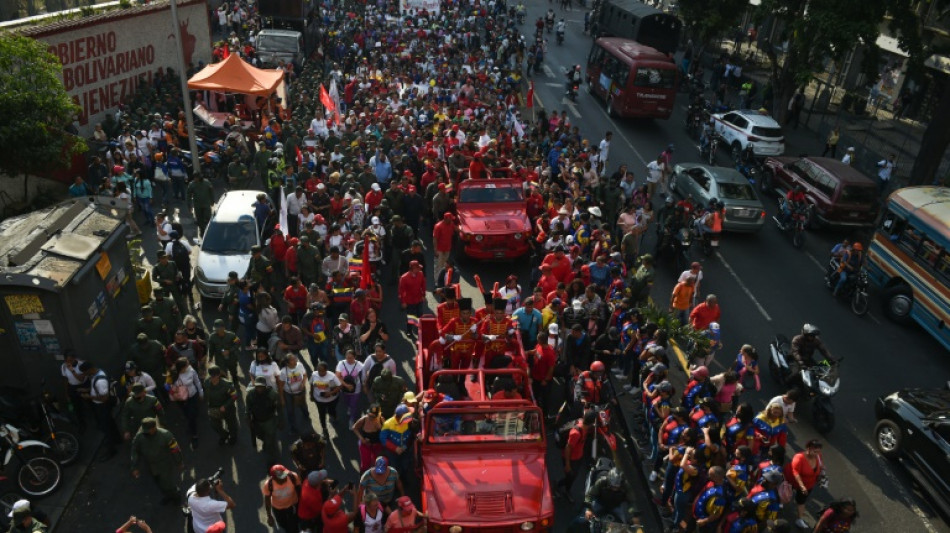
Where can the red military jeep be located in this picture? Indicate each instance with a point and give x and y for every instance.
(492, 220)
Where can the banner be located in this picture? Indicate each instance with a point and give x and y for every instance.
(413, 6)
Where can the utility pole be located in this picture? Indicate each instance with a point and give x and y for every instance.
(182, 76)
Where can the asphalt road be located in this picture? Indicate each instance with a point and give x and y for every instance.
(765, 286)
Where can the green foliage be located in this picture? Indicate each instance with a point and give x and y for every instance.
(36, 109)
(683, 334)
(707, 19)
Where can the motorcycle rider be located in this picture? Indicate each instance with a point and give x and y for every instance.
(851, 262)
(803, 350)
(794, 202)
(589, 387)
(549, 19)
(573, 80)
(559, 30)
(711, 221)
(611, 495)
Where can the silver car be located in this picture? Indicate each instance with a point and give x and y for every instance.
(226, 243)
(743, 209)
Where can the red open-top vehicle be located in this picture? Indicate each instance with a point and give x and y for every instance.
(492, 221)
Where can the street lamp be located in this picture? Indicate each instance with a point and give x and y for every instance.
(182, 76)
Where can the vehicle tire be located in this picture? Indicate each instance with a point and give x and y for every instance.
(590, 87)
(898, 302)
(823, 421)
(736, 149)
(66, 448)
(39, 476)
(775, 371)
(798, 238)
(859, 303)
(888, 438)
(610, 108)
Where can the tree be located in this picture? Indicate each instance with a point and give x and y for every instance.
(36, 109)
(817, 31)
(708, 19)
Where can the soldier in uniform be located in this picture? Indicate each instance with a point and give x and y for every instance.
(388, 390)
(139, 406)
(448, 309)
(149, 356)
(460, 337)
(166, 274)
(496, 331)
(159, 451)
(259, 269)
(200, 198)
(308, 261)
(167, 310)
(229, 302)
(221, 395)
(152, 326)
(261, 406)
(224, 348)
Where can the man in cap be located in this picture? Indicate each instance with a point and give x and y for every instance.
(206, 511)
(611, 495)
(308, 261)
(224, 349)
(495, 333)
(149, 356)
(415, 252)
(166, 274)
(166, 309)
(139, 406)
(406, 517)
(294, 202)
(261, 406)
(543, 364)
(259, 269)
(230, 300)
(443, 234)
(280, 498)
(412, 290)
(157, 449)
(152, 326)
(200, 197)
(448, 309)
(400, 238)
(396, 439)
(848, 158)
(22, 519)
(100, 396)
(388, 390)
(309, 453)
(311, 500)
(221, 395)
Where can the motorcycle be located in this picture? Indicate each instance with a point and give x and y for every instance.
(819, 383)
(707, 151)
(855, 289)
(36, 474)
(549, 22)
(560, 37)
(795, 225)
(606, 523)
(572, 85)
(42, 420)
(520, 16)
(709, 242)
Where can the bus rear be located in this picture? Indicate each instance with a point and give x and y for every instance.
(909, 259)
(635, 81)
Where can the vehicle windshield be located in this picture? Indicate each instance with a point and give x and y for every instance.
(230, 237)
(490, 194)
(763, 131)
(856, 194)
(736, 191)
(655, 78)
(480, 426)
(277, 43)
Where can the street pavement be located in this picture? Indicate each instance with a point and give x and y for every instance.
(765, 286)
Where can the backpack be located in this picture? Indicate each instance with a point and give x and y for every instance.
(114, 387)
(180, 256)
(564, 432)
(376, 371)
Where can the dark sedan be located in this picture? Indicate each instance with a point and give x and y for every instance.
(914, 427)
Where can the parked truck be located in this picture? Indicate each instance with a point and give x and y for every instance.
(291, 31)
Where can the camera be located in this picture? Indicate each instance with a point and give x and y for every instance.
(215, 478)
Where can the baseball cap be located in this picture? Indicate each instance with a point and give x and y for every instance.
(700, 372)
(405, 502)
(278, 472)
(19, 507)
(381, 466)
(409, 397)
(260, 381)
(374, 220)
(316, 477)
(553, 329)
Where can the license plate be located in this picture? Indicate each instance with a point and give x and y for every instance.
(499, 254)
(742, 212)
(854, 215)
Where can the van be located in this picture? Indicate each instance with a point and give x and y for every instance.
(227, 242)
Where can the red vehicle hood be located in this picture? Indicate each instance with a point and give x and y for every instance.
(487, 219)
(496, 486)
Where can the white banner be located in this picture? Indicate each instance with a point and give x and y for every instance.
(413, 6)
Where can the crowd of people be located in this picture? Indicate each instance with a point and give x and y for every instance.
(425, 100)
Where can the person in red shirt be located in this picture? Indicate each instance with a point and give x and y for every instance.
(296, 297)
(358, 307)
(496, 333)
(560, 264)
(290, 258)
(803, 474)
(458, 337)
(334, 515)
(476, 169)
(373, 198)
(442, 236)
(573, 456)
(310, 504)
(448, 309)
(278, 245)
(542, 359)
(705, 313)
(412, 289)
(547, 282)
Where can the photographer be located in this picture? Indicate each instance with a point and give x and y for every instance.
(204, 509)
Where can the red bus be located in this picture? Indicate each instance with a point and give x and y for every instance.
(635, 80)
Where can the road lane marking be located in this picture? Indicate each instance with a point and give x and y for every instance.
(815, 260)
(680, 355)
(901, 490)
(547, 70)
(553, 84)
(622, 136)
(874, 318)
(570, 105)
(743, 287)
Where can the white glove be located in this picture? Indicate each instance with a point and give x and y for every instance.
(441, 340)
(473, 328)
(456, 338)
(492, 337)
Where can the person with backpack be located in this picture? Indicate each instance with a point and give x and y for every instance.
(186, 390)
(101, 394)
(370, 515)
(281, 494)
(373, 368)
(180, 252)
(838, 517)
(577, 436)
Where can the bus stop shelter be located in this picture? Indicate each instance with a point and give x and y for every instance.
(66, 283)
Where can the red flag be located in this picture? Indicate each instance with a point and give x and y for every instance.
(530, 102)
(366, 269)
(299, 157)
(328, 103)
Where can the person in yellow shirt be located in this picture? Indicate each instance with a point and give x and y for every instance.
(681, 298)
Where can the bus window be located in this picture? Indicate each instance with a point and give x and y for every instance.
(617, 71)
(596, 58)
(929, 252)
(910, 240)
(655, 78)
(892, 226)
(943, 267)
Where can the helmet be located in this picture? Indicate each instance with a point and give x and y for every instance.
(713, 203)
(664, 386)
(773, 476)
(597, 366)
(809, 330)
(714, 326)
(577, 68)
(615, 478)
(799, 188)
(857, 246)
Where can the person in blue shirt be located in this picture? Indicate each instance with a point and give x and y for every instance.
(529, 322)
(600, 272)
(79, 188)
(142, 189)
(383, 170)
(710, 505)
(262, 210)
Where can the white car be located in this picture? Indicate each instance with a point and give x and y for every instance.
(743, 127)
(227, 242)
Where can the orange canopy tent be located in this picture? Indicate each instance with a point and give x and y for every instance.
(234, 75)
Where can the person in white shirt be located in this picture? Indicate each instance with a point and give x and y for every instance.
(484, 139)
(325, 389)
(295, 203)
(655, 172)
(294, 378)
(787, 401)
(605, 151)
(264, 366)
(886, 171)
(350, 372)
(205, 510)
(75, 380)
(695, 270)
(319, 126)
(849, 156)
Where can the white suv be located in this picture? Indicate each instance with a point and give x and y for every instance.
(742, 127)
